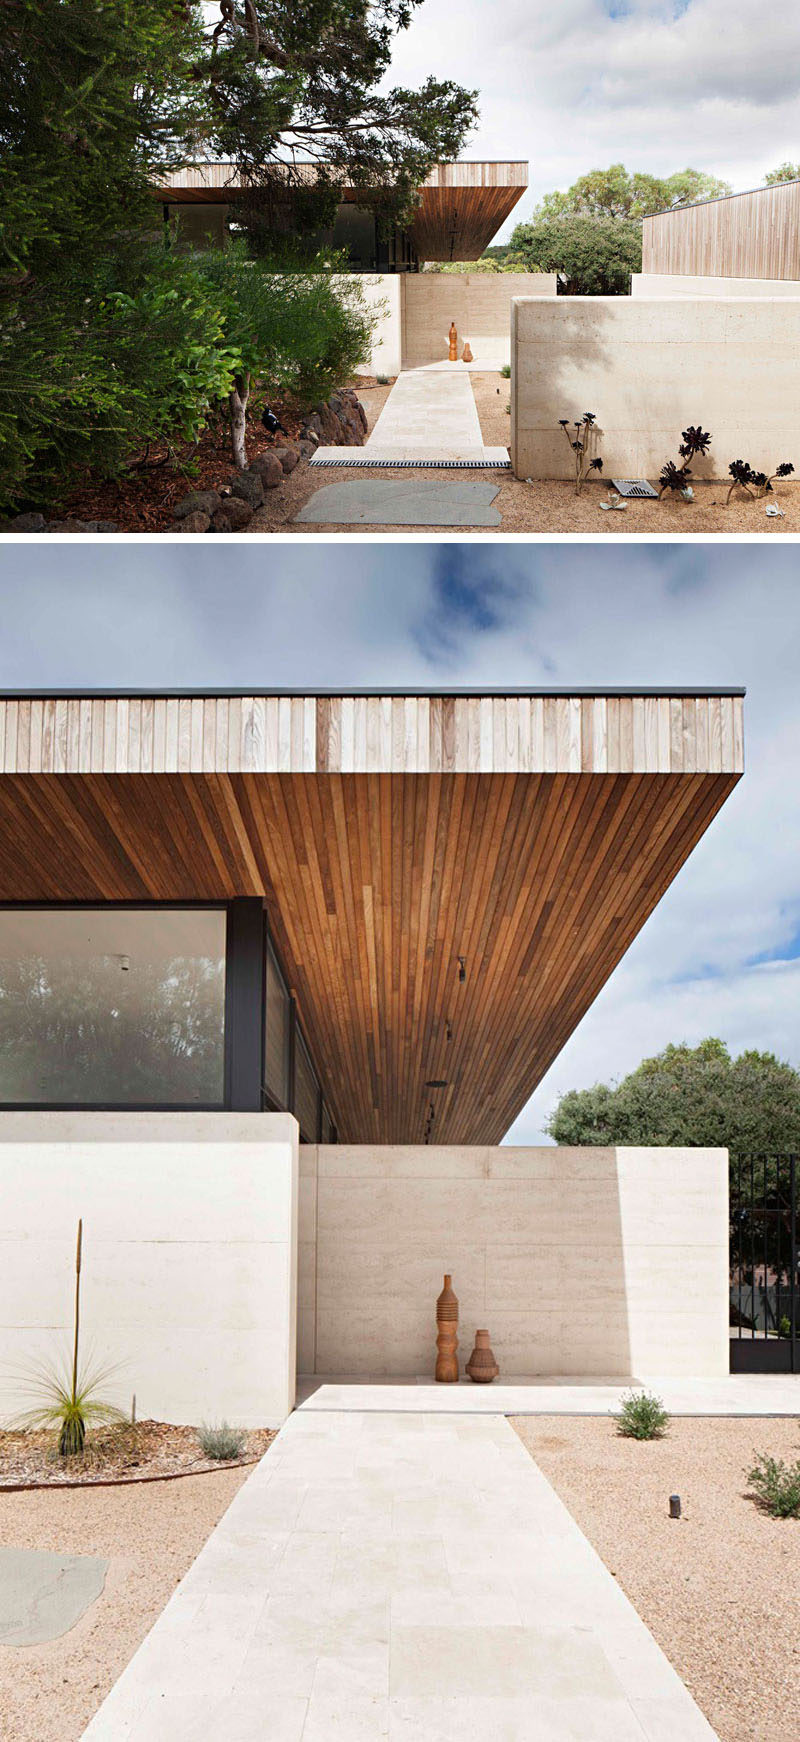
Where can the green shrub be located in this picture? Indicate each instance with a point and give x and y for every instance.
(506, 371)
(776, 1486)
(382, 380)
(642, 1417)
(221, 1442)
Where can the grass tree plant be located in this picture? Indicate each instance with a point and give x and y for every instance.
(69, 1397)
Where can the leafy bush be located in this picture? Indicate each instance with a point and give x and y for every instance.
(776, 1486)
(596, 255)
(506, 371)
(221, 1442)
(642, 1417)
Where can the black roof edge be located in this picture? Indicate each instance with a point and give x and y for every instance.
(169, 694)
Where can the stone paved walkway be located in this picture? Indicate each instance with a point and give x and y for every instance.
(403, 1577)
(429, 417)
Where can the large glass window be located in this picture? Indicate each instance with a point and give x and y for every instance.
(306, 1092)
(112, 1006)
(277, 1020)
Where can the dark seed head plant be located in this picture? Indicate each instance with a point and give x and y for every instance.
(775, 1486)
(641, 1417)
(585, 437)
(69, 1396)
(694, 441)
(755, 484)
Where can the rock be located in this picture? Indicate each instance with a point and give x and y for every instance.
(233, 516)
(102, 526)
(198, 502)
(307, 448)
(26, 523)
(249, 486)
(269, 469)
(67, 526)
(193, 523)
(314, 426)
(288, 457)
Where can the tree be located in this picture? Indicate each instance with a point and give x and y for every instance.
(298, 103)
(616, 193)
(784, 172)
(690, 1097)
(597, 255)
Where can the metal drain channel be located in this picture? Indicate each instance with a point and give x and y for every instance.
(413, 465)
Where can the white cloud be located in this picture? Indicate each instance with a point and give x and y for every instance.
(577, 85)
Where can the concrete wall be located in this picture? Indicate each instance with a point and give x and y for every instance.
(647, 368)
(478, 302)
(578, 1261)
(190, 1256)
(682, 284)
(415, 311)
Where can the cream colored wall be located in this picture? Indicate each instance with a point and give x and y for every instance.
(647, 367)
(578, 1261)
(682, 284)
(383, 293)
(478, 302)
(190, 1256)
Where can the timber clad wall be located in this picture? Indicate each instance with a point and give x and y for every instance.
(750, 235)
(372, 734)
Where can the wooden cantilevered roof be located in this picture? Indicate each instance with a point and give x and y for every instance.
(461, 205)
(390, 835)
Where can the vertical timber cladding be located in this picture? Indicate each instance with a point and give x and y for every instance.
(750, 235)
(390, 835)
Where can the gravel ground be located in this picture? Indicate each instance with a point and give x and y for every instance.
(545, 506)
(720, 1589)
(151, 1533)
(119, 1453)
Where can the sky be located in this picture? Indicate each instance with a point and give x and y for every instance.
(721, 954)
(658, 85)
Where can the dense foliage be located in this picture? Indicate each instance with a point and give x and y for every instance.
(616, 193)
(690, 1096)
(596, 255)
(784, 172)
(110, 336)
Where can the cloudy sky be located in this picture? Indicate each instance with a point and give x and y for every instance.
(658, 85)
(721, 955)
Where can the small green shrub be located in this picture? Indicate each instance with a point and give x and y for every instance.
(775, 1486)
(785, 1327)
(642, 1417)
(382, 380)
(221, 1442)
(506, 371)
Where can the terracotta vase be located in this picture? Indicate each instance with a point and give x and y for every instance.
(447, 1335)
(481, 1365)
(453, 338)
(466, 355)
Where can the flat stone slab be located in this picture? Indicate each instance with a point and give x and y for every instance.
(737, 1394)
(391, 1578)
(43, 1595)
(428, 409)
(397, 502)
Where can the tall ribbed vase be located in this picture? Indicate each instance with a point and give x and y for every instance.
(447, 1335)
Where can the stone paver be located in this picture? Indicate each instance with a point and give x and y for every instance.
(398, 1578)
(43, 1595)
(428, 409)
(397, 502)
(736, 1394)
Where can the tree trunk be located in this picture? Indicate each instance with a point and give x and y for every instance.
(237, 406)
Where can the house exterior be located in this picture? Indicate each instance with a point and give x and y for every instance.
(461, 207)
(277, 973)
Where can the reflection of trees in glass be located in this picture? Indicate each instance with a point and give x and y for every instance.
(74, 1029)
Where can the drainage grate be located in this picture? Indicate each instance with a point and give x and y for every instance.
(376, 464)
(633, 487)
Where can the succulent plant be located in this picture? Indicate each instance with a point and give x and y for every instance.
(586, 432)
(755, 484)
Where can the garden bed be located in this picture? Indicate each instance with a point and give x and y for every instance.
(147, 1451)
(719, 1588)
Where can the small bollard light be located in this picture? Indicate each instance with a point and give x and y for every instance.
(674, 1505)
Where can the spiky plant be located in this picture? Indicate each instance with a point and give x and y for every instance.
(694, 441)
(755, 484)
(69, 1395)
(586, 432)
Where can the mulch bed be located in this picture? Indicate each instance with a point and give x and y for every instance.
(143, 498)
(140, 1452)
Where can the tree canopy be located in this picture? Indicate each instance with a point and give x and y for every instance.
(690, 1097)
(784, 172)
(617, 193)
(597, 255)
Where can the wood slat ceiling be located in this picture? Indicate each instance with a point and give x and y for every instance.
(461, 205)
(377, 877)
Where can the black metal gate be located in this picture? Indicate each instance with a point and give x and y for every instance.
(764, 1292)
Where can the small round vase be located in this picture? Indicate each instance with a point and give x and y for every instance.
(481, 1366)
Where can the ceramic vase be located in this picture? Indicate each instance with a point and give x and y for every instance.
(447, 1335)
(453, 341)
(481, 1365)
